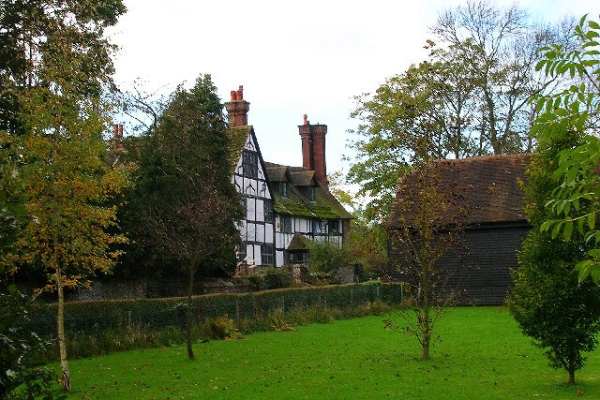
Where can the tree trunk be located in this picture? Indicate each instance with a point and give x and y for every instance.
(426, 331)
(60, 323)
(189, 316)
(571, 371)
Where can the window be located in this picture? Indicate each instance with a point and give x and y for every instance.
(250, 164)
(266, 252)
(286, 224)
(241, 254)
(298, 258)
(268, 211)
(283, 189)
(310, 192)
(319, 227)
(334, 227)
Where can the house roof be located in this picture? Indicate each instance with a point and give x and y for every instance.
(302, 178)
(299, 243)
(486, 187)
(297, 203)
(237, 140)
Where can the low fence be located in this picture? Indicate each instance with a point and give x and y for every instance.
(88, 317)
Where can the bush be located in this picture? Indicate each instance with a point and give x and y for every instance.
(326, 258)
(19, 375)
(221, 328)
(276, 278)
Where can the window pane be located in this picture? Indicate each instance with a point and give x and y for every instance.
(283, 189)
(267, 254)
(268, 211)
(250, 164)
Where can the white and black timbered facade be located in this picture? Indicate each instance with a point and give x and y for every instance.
(258, 228)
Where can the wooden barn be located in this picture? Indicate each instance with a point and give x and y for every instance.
(487, 190)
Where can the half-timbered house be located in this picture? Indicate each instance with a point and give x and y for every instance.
(286, 207)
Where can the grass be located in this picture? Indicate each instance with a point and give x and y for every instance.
(481, 355)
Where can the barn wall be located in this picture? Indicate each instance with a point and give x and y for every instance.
(485, 272)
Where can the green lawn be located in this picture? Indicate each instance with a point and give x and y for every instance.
(481, 355)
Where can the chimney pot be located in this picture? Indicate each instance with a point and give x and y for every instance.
(237, 108)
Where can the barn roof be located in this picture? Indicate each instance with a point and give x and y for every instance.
(487, 187)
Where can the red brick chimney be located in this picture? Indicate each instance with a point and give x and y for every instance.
(118, 136)
(313, 150)
(237, 108)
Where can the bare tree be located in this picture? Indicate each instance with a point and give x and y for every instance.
(426, 225)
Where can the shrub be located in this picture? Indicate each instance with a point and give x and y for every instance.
(326, 258)
(221, 328)
(275, 278)
(278, 324)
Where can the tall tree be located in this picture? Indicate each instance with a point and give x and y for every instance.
(186, 201)
(576, 108)
(500, 50)
(559, 312)
(470, 98)
(54, 66)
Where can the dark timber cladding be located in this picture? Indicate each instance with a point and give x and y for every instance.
(495, 222)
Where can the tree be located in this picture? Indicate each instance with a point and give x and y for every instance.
(19, 376)
(426, 225)
(561, 314)
(55, 65)
(500, 50)
(575, 198)
(184, 195)
(470, 98)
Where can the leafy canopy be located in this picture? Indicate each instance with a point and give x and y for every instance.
(574, 202)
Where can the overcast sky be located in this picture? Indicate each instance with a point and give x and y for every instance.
(292, 57)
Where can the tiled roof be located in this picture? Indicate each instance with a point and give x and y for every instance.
(487, 187)
(302, 178)
(325, 205)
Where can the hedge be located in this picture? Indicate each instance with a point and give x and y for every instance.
(93, 317)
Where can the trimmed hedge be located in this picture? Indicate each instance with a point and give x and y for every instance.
(94, 317)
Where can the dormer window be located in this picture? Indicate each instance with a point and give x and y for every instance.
(310, 193)
(250, 164)
(283, 189)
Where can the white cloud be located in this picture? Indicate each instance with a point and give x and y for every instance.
(293, 58)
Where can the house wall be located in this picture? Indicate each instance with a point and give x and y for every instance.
(484, 274)
(303, 226)
(255, 230)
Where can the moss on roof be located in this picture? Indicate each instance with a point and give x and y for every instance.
(325, 205)
(237, 140)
